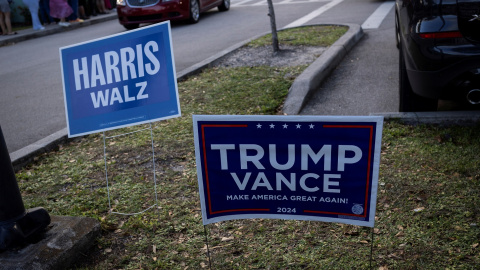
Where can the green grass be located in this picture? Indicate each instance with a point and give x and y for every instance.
(428, 209)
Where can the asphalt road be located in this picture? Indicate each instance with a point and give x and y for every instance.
(32, 105)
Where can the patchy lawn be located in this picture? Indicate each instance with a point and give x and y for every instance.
(428, 209)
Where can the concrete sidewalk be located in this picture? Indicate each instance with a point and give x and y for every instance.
(29, 33)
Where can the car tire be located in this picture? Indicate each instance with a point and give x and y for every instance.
(409, 101)
(194, 11)
(224, 6)
(131, 26)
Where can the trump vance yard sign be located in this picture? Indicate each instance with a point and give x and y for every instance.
(288, 167)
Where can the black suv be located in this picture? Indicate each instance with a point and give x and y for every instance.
(439, 48)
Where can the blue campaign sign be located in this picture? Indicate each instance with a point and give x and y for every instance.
(119, 81)
(288, 167)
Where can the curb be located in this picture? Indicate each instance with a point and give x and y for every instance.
(443, 118)
(24, 156)
(312, 77)
(28, 34)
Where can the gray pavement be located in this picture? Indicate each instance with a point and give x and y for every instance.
(303, 87)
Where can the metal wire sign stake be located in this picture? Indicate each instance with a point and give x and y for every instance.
(153, 166)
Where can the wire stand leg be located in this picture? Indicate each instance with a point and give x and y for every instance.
(208, 248)
(106, 171)
(153, 165)
(371, 249)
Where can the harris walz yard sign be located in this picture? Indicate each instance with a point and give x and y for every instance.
(120, 81)
(288, 167)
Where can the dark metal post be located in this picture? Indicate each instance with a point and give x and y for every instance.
(11, 204)
(17, 226)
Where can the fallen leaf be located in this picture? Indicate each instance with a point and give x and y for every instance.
(224, 239)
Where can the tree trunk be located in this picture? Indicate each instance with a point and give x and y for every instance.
(271, 14)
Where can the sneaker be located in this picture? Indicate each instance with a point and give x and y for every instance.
(77, 20)
(64, 24)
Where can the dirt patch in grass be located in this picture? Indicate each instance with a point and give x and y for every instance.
(289, 56)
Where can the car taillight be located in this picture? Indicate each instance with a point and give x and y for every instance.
(454, 34)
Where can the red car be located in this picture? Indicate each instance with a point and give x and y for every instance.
(131, 13)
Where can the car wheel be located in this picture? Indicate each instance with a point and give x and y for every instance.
(224, 6)
(194, 11)
(131, 26)
(409, 101)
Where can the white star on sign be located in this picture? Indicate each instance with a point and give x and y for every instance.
(285, 125)
(298, 126)
(311, 126)
(259, 125)
(272, 125)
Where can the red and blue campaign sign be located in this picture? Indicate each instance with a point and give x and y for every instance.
(288, 167)
(119, 81)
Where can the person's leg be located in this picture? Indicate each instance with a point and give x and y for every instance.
(2, 23)
(74, 5)
(82, 14)
(45, 12)
(42, 13)
(33, 7)
(81, 9)
(8, 23)
(92, 7)
(101, 7)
